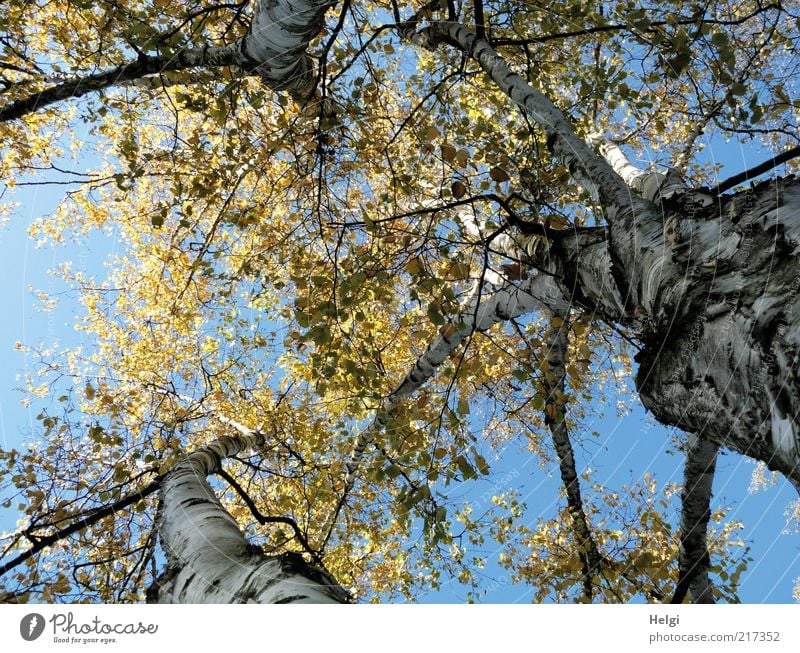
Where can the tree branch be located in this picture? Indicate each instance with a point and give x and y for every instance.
(636, 240)
(274, 48)
(537, 291)
(698, 477)
(143, 66)
(40, 542)
(264, 519)
(554, 386)
(590, 170)
(760, 169)
(653, 27)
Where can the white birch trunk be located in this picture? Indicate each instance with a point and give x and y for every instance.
(276, 42)
(274, 47)
(724, 362)
(636, 241)
(209, 560)
(711, 290)
(653, 186)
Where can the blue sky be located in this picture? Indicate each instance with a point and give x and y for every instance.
(633, 444)
(625, 447)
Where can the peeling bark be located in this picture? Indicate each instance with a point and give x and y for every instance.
(724, 364)
(209, 559)
(721, 347)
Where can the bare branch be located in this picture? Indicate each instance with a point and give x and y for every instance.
(653, 27)
(554, 382)
(143, 66)
(265, 519)
(760, 169)
(81, 521)
(698, 477)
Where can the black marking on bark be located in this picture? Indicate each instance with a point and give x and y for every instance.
(291, 599)
(247, 592)
(188, 580)
(295, 565)
(194, 501)
(293, 562)
(694, 558)
(617, 270)
(569, 275)
(161, 583)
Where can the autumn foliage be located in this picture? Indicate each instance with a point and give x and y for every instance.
(282, 261)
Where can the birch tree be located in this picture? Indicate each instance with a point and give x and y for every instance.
(366, 249)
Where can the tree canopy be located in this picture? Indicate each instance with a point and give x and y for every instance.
(385, 242)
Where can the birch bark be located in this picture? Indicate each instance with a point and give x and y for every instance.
(709, 288)
(277, 41)
(209, 559)
(698, 477)
(274, 48)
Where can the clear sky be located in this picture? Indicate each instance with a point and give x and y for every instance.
(626, 447)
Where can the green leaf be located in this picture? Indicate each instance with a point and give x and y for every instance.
(463, 406)
(448, 152)
(521, 375)
(435, 316)
(467, 470)
(320, 335)
(483, 466)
